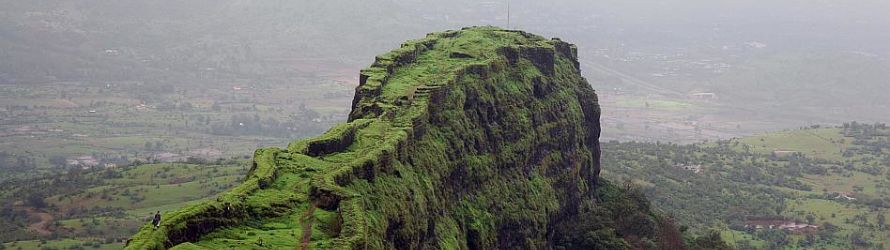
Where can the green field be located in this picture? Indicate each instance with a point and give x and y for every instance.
(105, 207)
(822, 143)
(123, 122)
(838, 180)
(82, 243)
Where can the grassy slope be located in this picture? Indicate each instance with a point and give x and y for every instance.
(375, 186)
(825, 143)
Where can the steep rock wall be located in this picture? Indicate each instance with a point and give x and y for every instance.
(480, 138)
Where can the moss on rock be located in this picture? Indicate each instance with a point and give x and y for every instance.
(480, 138)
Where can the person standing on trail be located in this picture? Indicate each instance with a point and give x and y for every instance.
(156, 222)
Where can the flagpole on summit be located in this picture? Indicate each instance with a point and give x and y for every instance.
(508, 14)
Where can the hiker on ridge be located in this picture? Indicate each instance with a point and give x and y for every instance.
(156, 222)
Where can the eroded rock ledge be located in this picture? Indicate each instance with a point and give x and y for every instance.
(480, 138)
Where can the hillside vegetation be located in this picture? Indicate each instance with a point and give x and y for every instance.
(833, 181)
(102, 208)
(480, 138)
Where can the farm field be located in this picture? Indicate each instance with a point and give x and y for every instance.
(49, 128)
(103, 208)
(814, 187)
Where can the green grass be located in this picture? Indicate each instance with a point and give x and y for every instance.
(177, 188)
(742, 180)
(826, 143)
(63, 244)
(837, 213)
(173, 192)
(823, 209)
(362, 175)
(839, 183)
(736, 236)
(277, 233)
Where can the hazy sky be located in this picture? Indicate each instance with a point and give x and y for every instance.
(66, 39)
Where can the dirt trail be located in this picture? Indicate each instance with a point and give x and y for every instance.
(307, 227)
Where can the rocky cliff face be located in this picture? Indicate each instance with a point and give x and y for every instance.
(480, 138)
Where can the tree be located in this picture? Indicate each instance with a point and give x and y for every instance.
(669, 237)
(710, 240)
(858, 239)
(744, 245)
(58, 160)
(774, 238)
(35, 200)
(780, 207)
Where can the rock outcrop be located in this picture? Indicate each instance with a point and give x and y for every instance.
(481, 138)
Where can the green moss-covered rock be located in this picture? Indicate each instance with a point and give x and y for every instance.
(481, 138)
